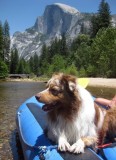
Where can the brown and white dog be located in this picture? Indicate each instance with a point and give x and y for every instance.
(73, 119)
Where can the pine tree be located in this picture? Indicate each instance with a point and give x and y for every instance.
(102, 19)
(63, 48)
(44, 52)
(52, 50)
(20, 69)
(12, 68)
(3, 70)
(104, 15)
(14, 61)
(94, 25)
(6, 39)
(36, 64)
(1, 42)
(31, 64)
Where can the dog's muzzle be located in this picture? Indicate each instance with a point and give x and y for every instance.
(47, 107)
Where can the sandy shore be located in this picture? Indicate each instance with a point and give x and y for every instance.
(105, 82)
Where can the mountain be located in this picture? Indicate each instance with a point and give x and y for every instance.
(57, 19)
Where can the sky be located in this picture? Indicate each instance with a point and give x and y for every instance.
(21, 14)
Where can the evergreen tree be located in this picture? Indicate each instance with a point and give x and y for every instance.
(20, 69)
(26, 69)
(102, 19)
(44, 59)
(63, 47)
(44, 55)
(14, 61)
(94, 25)
(31, 65)
(1, 42)
(36, 64)
(3, 70)
(104, 15)
(53, 49)
(6, 38)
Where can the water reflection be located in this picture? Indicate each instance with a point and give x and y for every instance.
(12, 95)
(102, 92)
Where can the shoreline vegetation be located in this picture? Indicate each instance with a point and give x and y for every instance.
(95, 82)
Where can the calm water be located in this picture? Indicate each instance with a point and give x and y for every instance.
(12, 95)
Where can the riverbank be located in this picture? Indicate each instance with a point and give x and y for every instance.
(104, 82)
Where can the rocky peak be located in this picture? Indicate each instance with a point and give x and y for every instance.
(57, 19)
(66, 8)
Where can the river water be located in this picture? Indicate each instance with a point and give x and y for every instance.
(12, 95)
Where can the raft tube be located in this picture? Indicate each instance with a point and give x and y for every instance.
(31, 124)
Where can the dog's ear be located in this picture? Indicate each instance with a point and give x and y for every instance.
(70, 81)
(72, 86)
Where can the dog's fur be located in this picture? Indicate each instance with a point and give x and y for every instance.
(73, 119)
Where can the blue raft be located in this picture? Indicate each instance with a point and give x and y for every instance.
(31, 123)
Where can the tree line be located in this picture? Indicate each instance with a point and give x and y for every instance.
(90, 54)
(4, 49)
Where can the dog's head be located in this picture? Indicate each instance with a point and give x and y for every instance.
(60, 91)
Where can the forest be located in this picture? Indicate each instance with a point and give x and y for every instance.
(91, 54)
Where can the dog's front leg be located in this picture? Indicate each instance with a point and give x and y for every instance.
(80, 144)
(63, 145)
(77, 147)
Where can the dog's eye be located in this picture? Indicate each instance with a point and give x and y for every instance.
(55, 92)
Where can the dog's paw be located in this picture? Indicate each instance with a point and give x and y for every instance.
(77, 147)
(63, 145)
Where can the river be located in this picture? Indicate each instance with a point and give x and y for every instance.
(12, 95)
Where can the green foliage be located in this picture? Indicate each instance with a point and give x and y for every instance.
(4, 49)
(91, 70)
(3, 70)
(63, 46)
(23, 67)
(58, 62)
(88, 57)
(81, 51)
(104, 15)
(43, 53)
(14, 61)
(94, 25)
(31, 64)
(6, 42)
(20, 69)
(35, 64)
(82, 72)
(57, 65)
(80, 40)
(103, 52)
(1, 42)
(72, 69)
(102, 19)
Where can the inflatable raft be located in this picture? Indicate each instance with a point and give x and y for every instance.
(31, 124)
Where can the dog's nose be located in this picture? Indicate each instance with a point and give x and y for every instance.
(37, 96)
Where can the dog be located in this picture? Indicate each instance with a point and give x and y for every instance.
(73, 119)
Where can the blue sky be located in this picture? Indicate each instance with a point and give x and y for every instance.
(21, 14)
